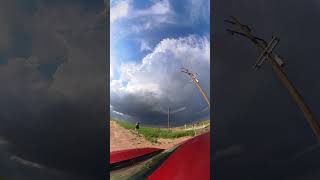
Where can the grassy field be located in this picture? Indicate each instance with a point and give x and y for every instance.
(152, 134)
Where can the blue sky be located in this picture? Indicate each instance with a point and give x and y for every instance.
(149, 31)
(131, 41)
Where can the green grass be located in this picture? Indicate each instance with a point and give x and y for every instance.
(152, 134)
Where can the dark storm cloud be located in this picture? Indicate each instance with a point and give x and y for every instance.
(56, 122)
(253, 109)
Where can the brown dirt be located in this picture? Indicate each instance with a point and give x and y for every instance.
(121, 138)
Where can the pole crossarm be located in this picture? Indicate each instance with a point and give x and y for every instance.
(277, 64)
(268, 50)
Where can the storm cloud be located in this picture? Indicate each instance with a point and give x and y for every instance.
(53, 87)
(146, 90)
(252, 109)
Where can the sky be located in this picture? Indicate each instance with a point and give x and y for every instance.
(52, 75)
(53, 89)
(260, 133)
(149, 42)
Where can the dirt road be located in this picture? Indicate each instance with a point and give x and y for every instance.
(121, 138)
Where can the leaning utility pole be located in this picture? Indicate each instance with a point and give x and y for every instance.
(193, 77)
(277, 64)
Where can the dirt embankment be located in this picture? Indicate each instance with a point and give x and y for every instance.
(121, 138)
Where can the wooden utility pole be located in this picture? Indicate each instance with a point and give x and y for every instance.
(169, 118)
(193, 77)
(277, 65)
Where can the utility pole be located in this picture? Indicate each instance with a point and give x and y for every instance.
(193, 77)
(169, 118)
(277, 65)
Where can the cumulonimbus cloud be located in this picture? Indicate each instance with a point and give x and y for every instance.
(145, 90)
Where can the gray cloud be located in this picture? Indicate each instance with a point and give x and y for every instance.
(7, 9)
(58, 122)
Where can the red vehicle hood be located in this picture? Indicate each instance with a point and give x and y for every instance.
(190, 161)
(125, 155)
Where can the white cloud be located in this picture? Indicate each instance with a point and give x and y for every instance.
(144, 46)
(158, 13)
(178, 110)
(199, 9)
(111, 66)
(158, 8)
(111, 71)
(26, 162)
(156, 83)
(120, 10)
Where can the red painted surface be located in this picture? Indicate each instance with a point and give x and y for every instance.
(190, 161)
(123, 155)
